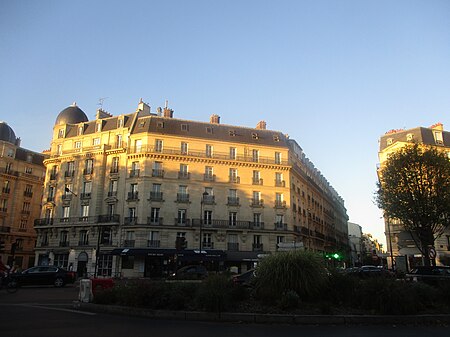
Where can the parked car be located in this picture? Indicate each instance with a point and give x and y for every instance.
(429, 274)
(373, 271)
(245, 278)
(192, 272)
(45, 275)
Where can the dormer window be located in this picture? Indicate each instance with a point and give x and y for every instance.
(141, 124)
(160, 125)
(232, 133)
(184, 127)
(389, 141)
(120, 123)
(438, 137)
(209, 130)
(80, 130)
(255, 135)
(409, 137)
(98, 127)
(61, 133)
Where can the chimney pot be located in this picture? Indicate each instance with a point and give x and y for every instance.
(214, 119)
(261, 125)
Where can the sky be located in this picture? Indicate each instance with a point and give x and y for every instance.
(333, 75)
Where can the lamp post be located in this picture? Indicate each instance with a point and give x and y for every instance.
(204, 195)
(390, 242)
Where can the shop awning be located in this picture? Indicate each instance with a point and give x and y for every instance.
(201, 255)
(143, 252)
(243, 256)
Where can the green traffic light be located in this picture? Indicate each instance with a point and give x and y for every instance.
(336, 256)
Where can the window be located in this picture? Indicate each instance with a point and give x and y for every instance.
(23, 225)
(256, 178)
(280, 239)
(153, 238)
(160, 125)
(207, 241)
(96, 141)
(51, 193)
(77, 144)
(233, 175)
(409, 137)
(256, 196)
(438, 137)
(209, 130)
(111, 209)
(65, 213)
(10, 153)
(70, 169)
(105, 265)
(209, 150)
(61, 133)
(138, 145)
(209, 173)
(232, 218)
(184, 127)
(181, 217)
(277, 157)
(134, 169)
(112, 188)
(120, 123)
(61, 260)
(207, 217)
(80, 130)
(132, 213)
(233, 243)
(115, 165)
(255, 155)
(255, 135)
(88, 166)
(84, 238)
(64, 238)
(118, 141)
(389, 141)
(257, 220)
(84, 212)
(156, 188)
(232, 153)
(98, 127)
(154, 215)
(28, 170)
(157, 169)
(184, 148)
(158, 145)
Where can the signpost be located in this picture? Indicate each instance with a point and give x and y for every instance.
(287, 246)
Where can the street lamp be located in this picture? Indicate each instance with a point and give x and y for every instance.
(204, 195)
(390, 242)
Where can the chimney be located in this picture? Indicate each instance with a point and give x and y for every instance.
(214, 119)
(437, 127)
(168, 113)
(261, 125)
(102, 114)
(144, 107)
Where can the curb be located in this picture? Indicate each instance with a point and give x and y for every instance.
(264, 318)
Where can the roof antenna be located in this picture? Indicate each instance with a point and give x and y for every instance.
(100, 102)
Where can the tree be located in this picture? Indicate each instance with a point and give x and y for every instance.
(414, 187)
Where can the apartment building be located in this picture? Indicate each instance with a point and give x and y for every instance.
(144, 193)
(21, 180)
(399, 241)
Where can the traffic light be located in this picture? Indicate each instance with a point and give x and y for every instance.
(2, 245)
(335, 256)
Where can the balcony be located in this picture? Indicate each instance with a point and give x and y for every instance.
(25, 212)
(182, 222)
(134, 173)
(43, 222)
(257, 247)
(209, 199)
(280, 226)
(280, 204)
(157, 173)
(234, 179)
(156, 196)
(64, 220)
(280, 183)
(130, 221)
(184, 175)
(182, 197)
(85, 195)
(83, 219)
(207, 245)
(114, 170)
(6, 190)
(28, 194)
(256, 202)
(88, 171)
(129, 243)
(209, 177)
(69, 174)
(64, 244)
(133, 196)
(153, 243)
(233, 246)
(67, 197)
(257, 181)
(257, 225)
(233, 201)
(108, 218)
(112, 194)
(154, 221)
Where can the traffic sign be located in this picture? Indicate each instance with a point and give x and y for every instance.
(432, 253)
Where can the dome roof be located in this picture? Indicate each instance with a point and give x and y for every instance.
(71, 115)
(7, 134)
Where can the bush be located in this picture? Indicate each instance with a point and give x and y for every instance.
(340, 289)
(215, 294)
(289, 300)
(300, 271)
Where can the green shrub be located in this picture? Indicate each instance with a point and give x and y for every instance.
(214, 294)
(289, 300)
(340, 289)
(300, 271)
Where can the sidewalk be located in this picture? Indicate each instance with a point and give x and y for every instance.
(265, 318)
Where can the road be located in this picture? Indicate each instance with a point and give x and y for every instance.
(46, 312)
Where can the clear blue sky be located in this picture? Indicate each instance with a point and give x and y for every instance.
(334, 75)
